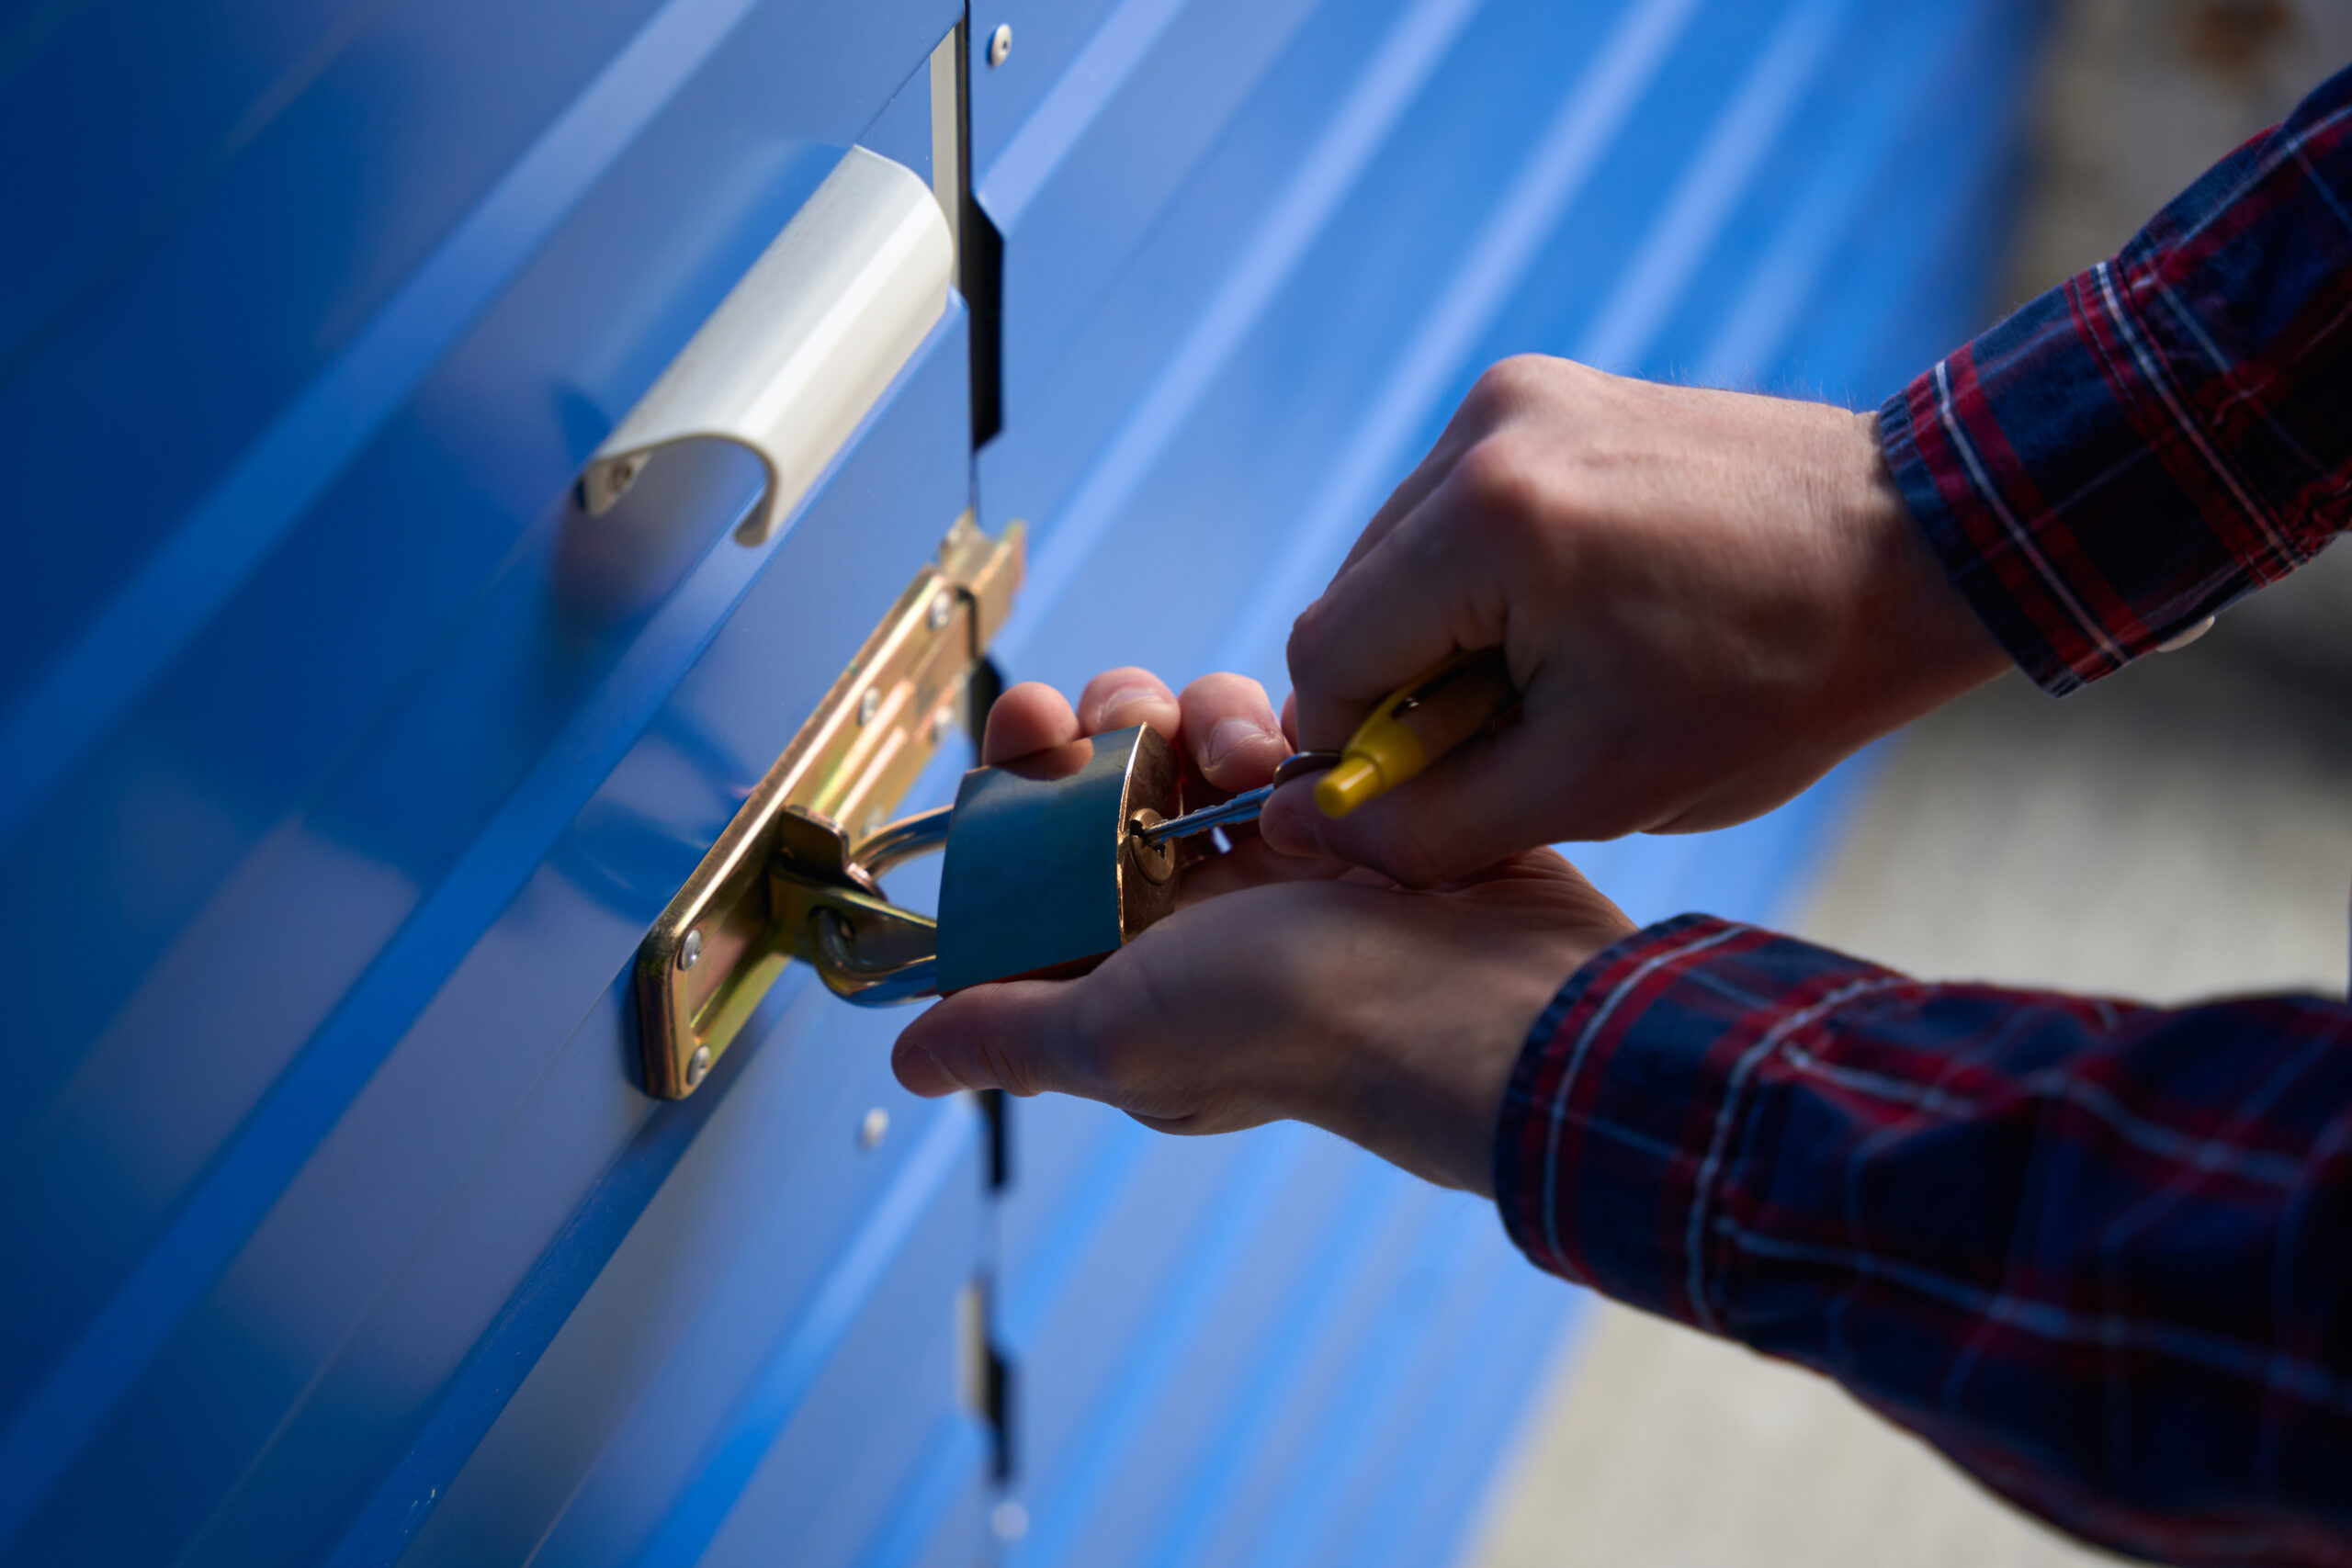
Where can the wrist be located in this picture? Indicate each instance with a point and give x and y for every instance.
(1430, 1095)
(1918, 642)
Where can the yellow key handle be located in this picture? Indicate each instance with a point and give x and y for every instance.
(1417, 723)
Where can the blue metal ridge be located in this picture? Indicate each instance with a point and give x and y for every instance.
(1247, 1191)
(1081, 214)
(537, 1309)
(1453, 1463)
(1695, 211)
(1854, 156)
(1086, 1205)
(1330, 169)
(1594, 111)
(730, 1460)
(943, 1475)
(1425, 1400)
(1093, 77)
(1938, 251)
(1339, 1268)
(87, 686)
(23, 342)
(1557, 1332)
(1353, 1424)
(248, 1175)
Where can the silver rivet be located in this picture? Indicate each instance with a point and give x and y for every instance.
(943, 605)
(869, 703)
(870, 1129)
(1008, 1520)
(698, 1065)
(690, 950)
(1000, 45)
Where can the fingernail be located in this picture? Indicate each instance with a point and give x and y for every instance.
(1229, 736)
(1119, 700)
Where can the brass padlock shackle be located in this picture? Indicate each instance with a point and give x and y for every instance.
(1050, 870)
(883, 982)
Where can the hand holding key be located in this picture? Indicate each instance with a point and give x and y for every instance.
(1283, 986)
(1702, 601)
(1705, 599)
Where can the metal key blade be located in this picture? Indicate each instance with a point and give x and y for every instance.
(1242, 808)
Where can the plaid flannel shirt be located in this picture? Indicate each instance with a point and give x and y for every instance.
(2099, 1254)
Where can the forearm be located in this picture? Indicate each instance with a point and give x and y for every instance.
(2101, 1255)
(2163, 432)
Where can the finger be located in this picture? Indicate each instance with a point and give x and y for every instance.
(1290, 719)
(1027, 719)
(1117, 698)
(1020, 1036)
(1231, 731)
(1433, 586)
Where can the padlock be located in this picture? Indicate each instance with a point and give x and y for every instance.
(1047, 874)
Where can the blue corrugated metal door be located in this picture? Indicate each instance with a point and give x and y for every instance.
(340, 779)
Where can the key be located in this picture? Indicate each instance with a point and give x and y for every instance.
(1242, 808)
(1420, 721)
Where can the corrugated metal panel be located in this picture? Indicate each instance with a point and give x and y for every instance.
(1399, 193)
(336, 788)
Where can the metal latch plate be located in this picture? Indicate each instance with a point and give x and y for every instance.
(723, 941)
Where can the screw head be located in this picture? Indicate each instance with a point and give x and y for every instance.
(690, 950)
(1000, 44)
(1008, 1520)
(869, 703)
(943, 605)
(870, 1129)
(698, 1066)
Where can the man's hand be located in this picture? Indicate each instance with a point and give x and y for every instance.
(1707, 599)
(1281, 987)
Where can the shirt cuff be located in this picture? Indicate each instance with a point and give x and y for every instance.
(2035, 480)
(2163, 432)
(1622, 1118)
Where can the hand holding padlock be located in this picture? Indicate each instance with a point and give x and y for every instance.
(1047, 871)
(1282, 987)
(1057, 860)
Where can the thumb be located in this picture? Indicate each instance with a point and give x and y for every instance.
(1021, 1036)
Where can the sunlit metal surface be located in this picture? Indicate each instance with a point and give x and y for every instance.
(342, 772)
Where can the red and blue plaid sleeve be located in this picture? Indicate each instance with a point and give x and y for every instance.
(2162, 433)
(2098, 1253)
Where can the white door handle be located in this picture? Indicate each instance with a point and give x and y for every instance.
(803, 345)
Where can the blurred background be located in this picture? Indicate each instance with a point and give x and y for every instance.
(2181, 830)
